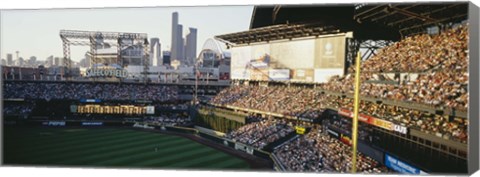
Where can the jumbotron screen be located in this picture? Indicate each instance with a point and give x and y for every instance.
(303, 60)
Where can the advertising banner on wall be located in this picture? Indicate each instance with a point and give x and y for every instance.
(259, 74)
(375, 121)
(279, 74)
(307, 60)
(330, 52)
(303, 75)
(54, 123)
(92, 123)
(401, 166)
(150, 109)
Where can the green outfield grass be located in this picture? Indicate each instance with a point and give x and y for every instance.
(110, 147)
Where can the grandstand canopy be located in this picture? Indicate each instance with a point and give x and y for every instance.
(367, 21)
(278, 32)
(413, 18)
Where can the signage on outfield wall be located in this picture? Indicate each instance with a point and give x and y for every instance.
(375, 121)
(94, 72)
(401, 166)
(90, 100)
(150, 109)
(73, 108)
(54, 123)
(92, 123)
(249, 150)
(244, 148)
(239, 146)
(145, 126)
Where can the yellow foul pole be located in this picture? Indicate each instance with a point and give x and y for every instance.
(355, 113)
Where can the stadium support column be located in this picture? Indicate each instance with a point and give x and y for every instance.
(93, 52)
(355, 113)
(146, 60)
(66, 59)
(119, 56)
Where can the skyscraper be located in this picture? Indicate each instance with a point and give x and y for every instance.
(174, 49)
(155, 52)
(183, 49)
(9, 59)
(180, 43)
(191, 46)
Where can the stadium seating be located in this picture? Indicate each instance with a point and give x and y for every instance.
(317, 152)
(441, 64)
(260, 134)
(171, 119)
(74, 90)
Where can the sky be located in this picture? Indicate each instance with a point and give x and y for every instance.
(36, 32)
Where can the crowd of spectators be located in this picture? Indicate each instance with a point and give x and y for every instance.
(423, 52)
(345, 126)
(169, 119)
(260, 134)
(440, 61)
(175, 106)
(24, 108)
(451, 128)
(103, 91)
(318, 152)
(290, 101)
(446, 89)
(309, 102)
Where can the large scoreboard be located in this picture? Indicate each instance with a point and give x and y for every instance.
(303, 60)
(112, 109)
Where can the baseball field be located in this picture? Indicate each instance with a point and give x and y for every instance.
(111, 147)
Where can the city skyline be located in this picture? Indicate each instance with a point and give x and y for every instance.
(42, 32)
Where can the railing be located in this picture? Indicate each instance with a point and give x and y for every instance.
(414, 131)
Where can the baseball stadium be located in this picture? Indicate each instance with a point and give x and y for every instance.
(362, 88)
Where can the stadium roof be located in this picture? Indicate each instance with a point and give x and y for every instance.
(367, 21)
(411, 18)
(278, 32)
(294, 21)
